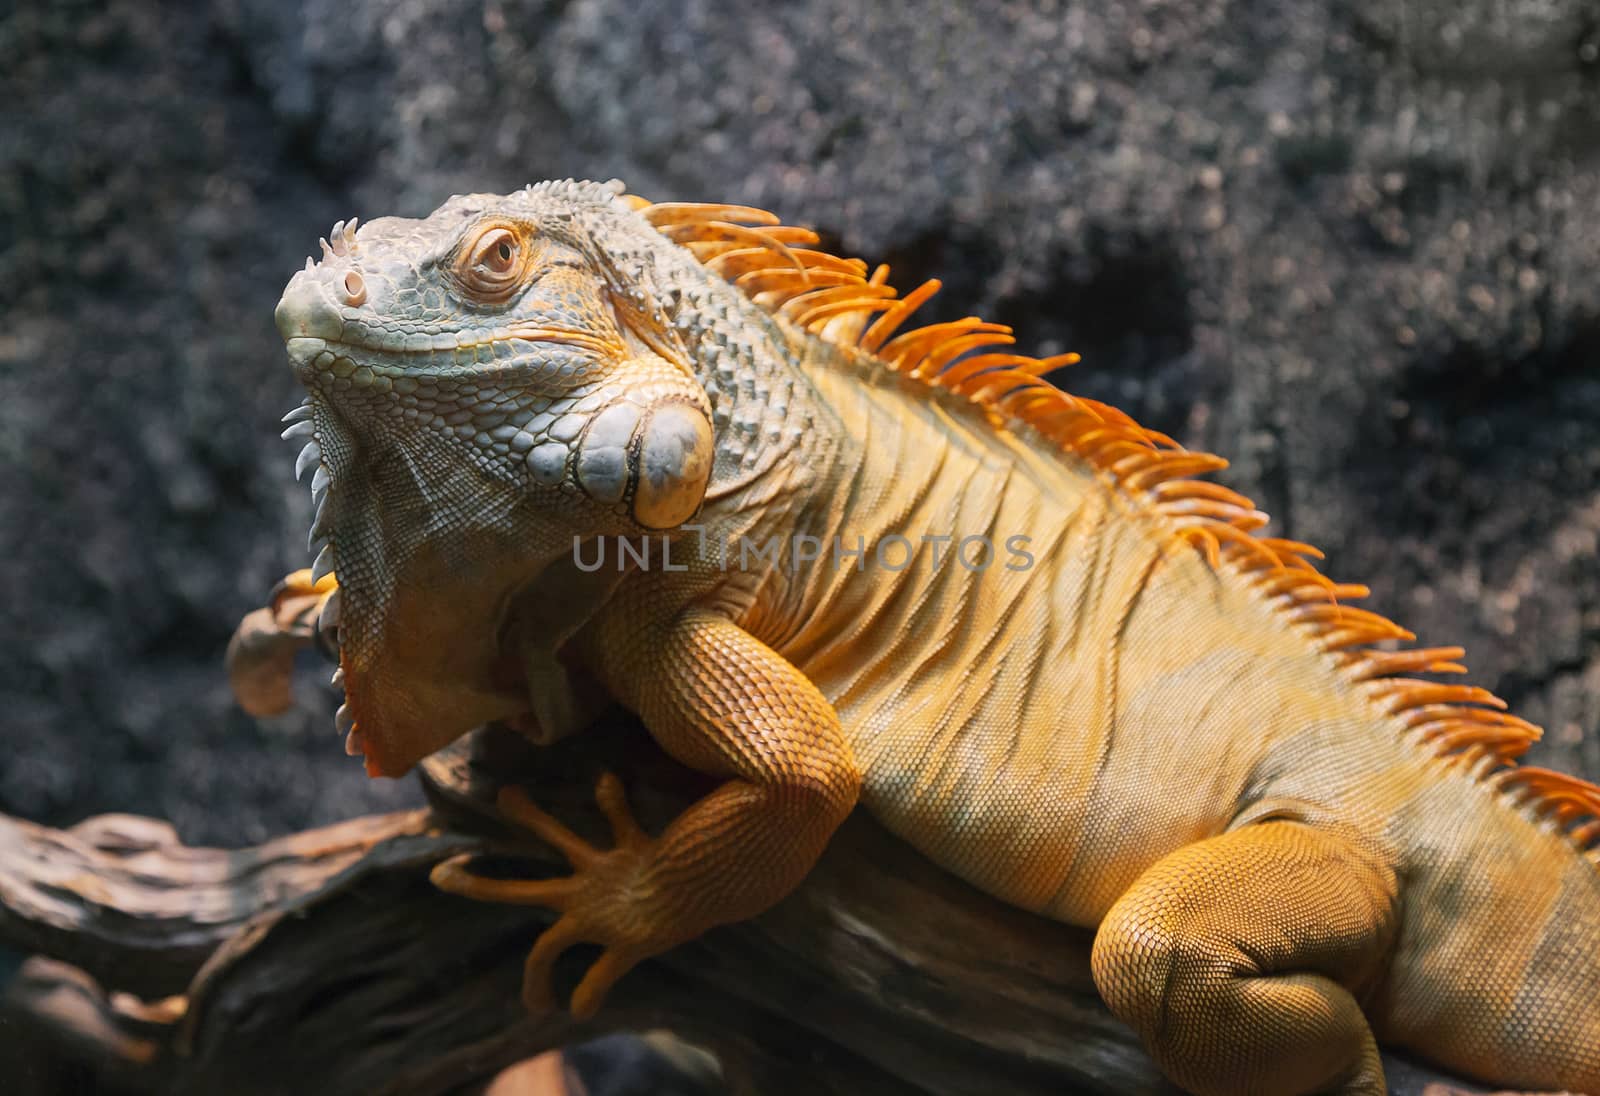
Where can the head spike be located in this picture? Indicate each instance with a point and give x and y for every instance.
(323, 564)
(310, 455)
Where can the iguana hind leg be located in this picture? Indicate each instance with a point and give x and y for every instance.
(1235, 959)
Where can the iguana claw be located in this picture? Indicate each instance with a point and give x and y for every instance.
(607, 900)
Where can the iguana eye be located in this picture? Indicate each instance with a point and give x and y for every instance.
(491, 267)
(497, 251)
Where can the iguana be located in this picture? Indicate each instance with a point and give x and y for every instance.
(573, 448)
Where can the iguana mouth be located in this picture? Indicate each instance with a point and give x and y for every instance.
(523, 356)
(463, 349)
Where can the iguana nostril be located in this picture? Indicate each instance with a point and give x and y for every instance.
(355, 289)
(306, 310)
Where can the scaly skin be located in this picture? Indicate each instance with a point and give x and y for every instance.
(1138, 717)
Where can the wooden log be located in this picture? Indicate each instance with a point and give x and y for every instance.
(327, 957)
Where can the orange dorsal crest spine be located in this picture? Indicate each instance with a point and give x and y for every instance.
(835, 299)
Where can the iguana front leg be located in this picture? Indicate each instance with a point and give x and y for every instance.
(1235, 959)
(722, 702)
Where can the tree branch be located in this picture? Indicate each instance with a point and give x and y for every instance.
(327, 954)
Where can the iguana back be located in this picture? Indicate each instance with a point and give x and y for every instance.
(1052, 732)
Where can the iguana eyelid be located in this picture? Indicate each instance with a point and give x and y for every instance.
(496, 250)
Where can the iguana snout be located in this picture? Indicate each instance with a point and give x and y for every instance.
(305, 312)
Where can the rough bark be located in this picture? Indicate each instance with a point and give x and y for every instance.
(328, 956)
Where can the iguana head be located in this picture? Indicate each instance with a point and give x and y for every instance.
(485, 385)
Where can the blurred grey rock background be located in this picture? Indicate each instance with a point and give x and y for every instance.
(1355, 246)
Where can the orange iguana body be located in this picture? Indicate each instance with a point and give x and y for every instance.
(1010, 623)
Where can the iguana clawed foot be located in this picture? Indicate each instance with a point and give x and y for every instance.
(261, 653)
(608, 900)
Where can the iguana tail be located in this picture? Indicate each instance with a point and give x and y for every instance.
(1497, 971)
